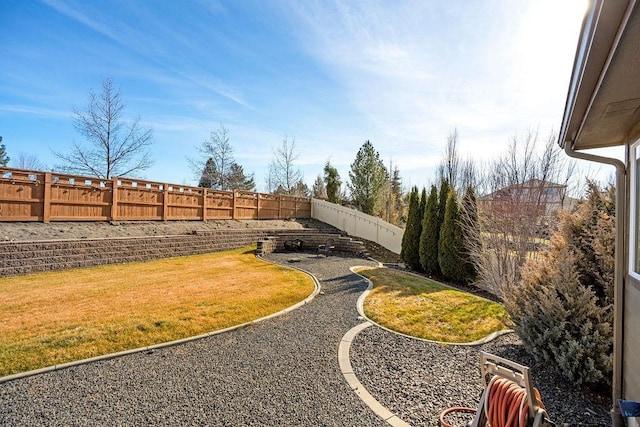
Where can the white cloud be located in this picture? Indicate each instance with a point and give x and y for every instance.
(416, 70)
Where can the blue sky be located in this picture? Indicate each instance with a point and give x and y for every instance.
(331, 74)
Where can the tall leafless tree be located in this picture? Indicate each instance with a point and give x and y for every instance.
(217, 150)
(284, 174)
(523, 185)
(30, 162)
(449, 168)
(112, 146)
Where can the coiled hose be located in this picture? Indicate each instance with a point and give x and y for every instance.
(505, 404)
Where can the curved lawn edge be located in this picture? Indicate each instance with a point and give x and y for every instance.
(365, 294)
(316, 290)
(356, 386)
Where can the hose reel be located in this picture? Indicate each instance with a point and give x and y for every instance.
(509, 398)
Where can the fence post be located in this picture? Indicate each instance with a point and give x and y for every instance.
(279, 206)
(204, 204)
(114, 199)
(165, 202)
(233, 206)
(257, 205)
(46, 198)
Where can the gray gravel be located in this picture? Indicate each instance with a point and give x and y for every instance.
(417, 380)
(283, 371)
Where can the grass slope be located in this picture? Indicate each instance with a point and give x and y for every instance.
(57, 317)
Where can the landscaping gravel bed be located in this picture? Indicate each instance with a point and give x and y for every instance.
(417, 380)
(283, 371)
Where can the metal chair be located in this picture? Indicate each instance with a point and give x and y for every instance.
(326, 248)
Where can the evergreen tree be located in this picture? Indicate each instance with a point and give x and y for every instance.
(470, 233)
(423, 207)
(368, 177)
(562, 306)
(319, 190)
(332, 182)
(443, 195)
(430, 235)
(208, 174)
(451, 244)
(589, 231)
(411, 238)
(396, 199)
(4, 159)
(237, 180)
(300, 189)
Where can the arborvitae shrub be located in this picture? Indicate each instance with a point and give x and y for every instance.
(450, 244)
(411, 238)
(430, 235)
(470, 234)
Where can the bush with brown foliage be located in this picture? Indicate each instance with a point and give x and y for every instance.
(562, 305)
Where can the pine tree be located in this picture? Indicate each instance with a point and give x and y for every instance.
(430, 235)
(367, 177)
(332, 182)
(319, 190)
(4, 159)
(470, 233)
(208, 174)
(411, 238)
(237, 180)
(396, 198)
(451, 245)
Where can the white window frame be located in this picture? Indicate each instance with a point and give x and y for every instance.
(634, 217)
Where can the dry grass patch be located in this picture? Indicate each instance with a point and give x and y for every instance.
(427, 309)
(57, 317)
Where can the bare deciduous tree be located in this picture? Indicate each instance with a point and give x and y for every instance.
(284, 175)
(450, 168)
(216, 150)
(524, 186)
(113, 147)
(29, 161)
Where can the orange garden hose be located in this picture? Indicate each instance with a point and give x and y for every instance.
(505, 404)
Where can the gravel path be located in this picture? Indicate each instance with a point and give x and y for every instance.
(283, 371)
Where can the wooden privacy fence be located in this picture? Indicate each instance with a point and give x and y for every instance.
(48, 196)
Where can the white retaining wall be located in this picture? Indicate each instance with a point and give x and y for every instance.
(358, 224)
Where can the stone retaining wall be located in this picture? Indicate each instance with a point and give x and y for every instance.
(31, 257)
(310, 242)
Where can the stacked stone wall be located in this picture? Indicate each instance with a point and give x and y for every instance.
(17, 258)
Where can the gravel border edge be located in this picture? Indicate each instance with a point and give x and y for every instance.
(355, 385)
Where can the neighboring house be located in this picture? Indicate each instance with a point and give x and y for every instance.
(542, 198)
(603, 110)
